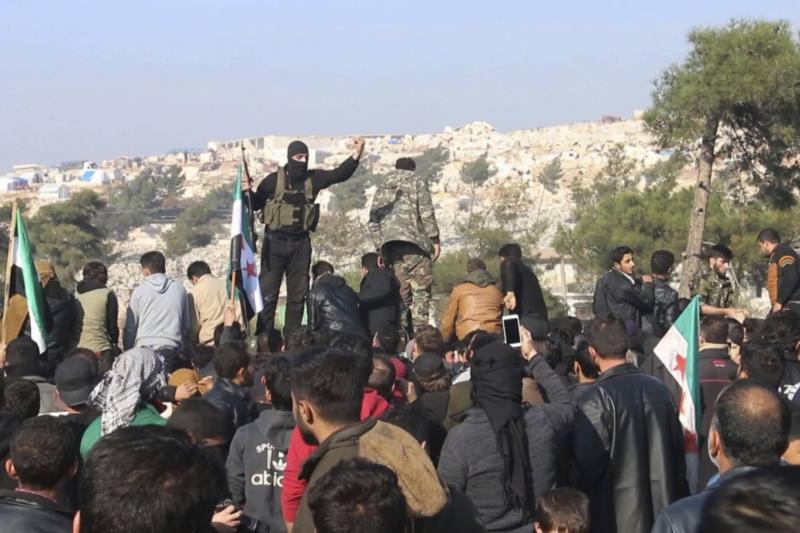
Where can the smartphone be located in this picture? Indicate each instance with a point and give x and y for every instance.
(511, 331)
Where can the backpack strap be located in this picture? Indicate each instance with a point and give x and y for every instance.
(280, 185)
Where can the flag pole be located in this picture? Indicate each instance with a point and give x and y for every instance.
(7, 288)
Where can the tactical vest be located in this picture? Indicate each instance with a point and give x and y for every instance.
(278, 213)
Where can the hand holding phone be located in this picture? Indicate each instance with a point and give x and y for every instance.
(511, 331)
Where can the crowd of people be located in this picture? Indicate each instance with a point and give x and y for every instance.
(368, 418)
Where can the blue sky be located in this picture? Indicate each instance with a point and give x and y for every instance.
(96, 79)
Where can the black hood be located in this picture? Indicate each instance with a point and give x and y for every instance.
(87, 285)
(296, 169)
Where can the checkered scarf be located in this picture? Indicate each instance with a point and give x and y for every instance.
(137, 375)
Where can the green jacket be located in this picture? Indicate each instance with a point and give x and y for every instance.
(402, 210)
(712, 289)
(145, 415)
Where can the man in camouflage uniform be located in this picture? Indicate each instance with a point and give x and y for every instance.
(403, 226)
(712, 285)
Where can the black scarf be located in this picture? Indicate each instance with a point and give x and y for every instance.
(497, 371)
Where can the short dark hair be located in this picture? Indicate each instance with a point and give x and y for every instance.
(429, 340)
(321, 267)
(753, 423)
(388, 339)
(198, 269)
(588, 367)
(608, 337)
(661, 261)
(22, 398)
(96, 271)
(370, 261)
(382, 377)
(201, 420)
(714, 329)
(764, 363)
(720, 251)
(299, 338)
(475, 264)
(358, 496)
(43, 450)
(269, 342)
(139, 465)
(22, 358)
(414, 420)
(334, 383)
(765, 499)
(229, 359)
(769, 235)
(510, 250)
(563, 509)
(278, 374)
(154, 261)
(782, 327)
(202, 356)
(619, 253)
(735, 332)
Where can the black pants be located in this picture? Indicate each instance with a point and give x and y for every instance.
(291, 257)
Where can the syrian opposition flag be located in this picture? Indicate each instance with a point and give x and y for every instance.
(24, 281)
(243, 259)
(678, 351)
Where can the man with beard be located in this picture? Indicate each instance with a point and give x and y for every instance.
(714, 287)
(620, 295)
(286, 201)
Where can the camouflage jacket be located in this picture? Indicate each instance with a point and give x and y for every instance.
(712, 289)
(402, 210)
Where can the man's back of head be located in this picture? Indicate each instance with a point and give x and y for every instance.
(205, 423)
(753, 424)
(509, 251)
(369, 262)
(714, 329)
(198, 269)
(278, 374)
(782, 327)
(94, 270)
(608, 338)
(22, 358)
(764, 500)
(382, 377)
(320, 268)
(43, 454)
(475, 264)
(763, 362)
(299, 338)
(154, 262)
(358, 496)
(562, 510)
(149, 478)
(22, 398)
(429, 340)
(388, 340)
(661, 262)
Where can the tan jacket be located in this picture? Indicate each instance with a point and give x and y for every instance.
(474, 304)
(207, 302)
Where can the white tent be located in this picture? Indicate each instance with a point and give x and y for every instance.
(54, 191)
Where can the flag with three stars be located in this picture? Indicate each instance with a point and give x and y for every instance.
(243, 258)
(678, 351)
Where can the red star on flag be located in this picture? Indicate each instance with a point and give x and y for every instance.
(250, 269)
(680, 365)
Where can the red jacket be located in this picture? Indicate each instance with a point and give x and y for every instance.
(372, 405)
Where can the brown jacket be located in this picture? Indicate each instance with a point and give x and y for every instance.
(476, 303)
(427, 496)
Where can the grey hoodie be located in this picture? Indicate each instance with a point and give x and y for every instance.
(256, 461)
(158, 314)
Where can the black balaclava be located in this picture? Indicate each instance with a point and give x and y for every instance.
(497, 371)
(296, 169)
(405, 163)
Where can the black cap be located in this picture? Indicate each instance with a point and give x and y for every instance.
(75, 378)
(405, 163)
(537, 327)
(429, 366)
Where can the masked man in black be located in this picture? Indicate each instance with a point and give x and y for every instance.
(286, 199)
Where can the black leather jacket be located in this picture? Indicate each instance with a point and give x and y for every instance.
(628, 450)
(333, 306)
(665, 309)
(233, 399)
(31, 513)
(616, 296)
(684, 515)
(379, 300)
